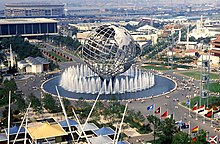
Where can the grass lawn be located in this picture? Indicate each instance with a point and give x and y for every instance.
(57, 56)
(214, 87)
(156, 68)
(196, 74)
(211, 100)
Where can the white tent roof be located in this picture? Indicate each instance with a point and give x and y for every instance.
(146, 27)
(88, 127)
(101, 140)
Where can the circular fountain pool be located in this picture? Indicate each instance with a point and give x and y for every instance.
(79, 82)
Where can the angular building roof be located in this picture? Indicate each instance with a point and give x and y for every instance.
(26, 20)
(123, 142)
(14, 130)
(45, 130)
(88, 127)
(3, 137)
(146, 27)
(36, 61)
(100, 140)
(42, 60)
(71, 122)
(33, 4)
(104, 131)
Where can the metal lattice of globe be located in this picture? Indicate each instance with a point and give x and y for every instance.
(109, 50)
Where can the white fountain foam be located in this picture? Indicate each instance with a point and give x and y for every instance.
(81, 79)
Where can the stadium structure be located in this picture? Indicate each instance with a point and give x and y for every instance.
(34, 10)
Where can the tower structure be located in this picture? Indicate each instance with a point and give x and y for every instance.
(170, 56)
(151, 21)
(187, 37)
(204, 78)
(11, 57)
(199, 26)
(179, 38)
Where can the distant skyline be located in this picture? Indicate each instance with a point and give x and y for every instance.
(2, 2)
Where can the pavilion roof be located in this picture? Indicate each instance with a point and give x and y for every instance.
(71, 122)
(46, 130)
(88, 127)
(104, 131)
(100, 140)
(123, 142)
(14, 130)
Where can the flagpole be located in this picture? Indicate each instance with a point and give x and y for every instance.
(9, 115)
(196, 116)
(154, 119)
(212, 119)
(189, 110)
(80, 125)
(120, 126)
(189, 128)
(189, 107)
(182, 122)
(204, 115)
(154, 109)
(116, 128)
(25, 115)
(207, 136)
(25, 134)
(65, 115)
(160, 111)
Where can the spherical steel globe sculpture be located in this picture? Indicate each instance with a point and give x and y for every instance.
(109, 50)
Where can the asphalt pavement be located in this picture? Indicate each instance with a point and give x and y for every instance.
(171, 105)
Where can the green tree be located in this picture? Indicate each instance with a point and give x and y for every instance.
(10, 86)
(155, 121)
(21, 47)
(53, 65)
(35, 102)
(181, 138)
(192, 39)
(71, 44)
(50, 104)
(166, 131)
(163, 129)
(20, 103)
(66, 102)
(201, 137)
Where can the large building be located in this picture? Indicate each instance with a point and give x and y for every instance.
(34, 10)
(27, 27)
(33, 65)
(215, 49)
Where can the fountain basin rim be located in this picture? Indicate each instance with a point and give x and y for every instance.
(127, 100)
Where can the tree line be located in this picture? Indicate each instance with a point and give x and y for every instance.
(22, 48)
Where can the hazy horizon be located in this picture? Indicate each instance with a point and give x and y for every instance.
(90, 2)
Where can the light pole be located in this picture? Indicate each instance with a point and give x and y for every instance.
(189, 104)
